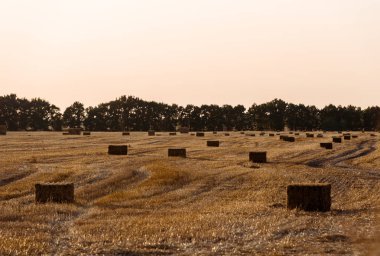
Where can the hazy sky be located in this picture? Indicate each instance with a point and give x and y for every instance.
(198, 51)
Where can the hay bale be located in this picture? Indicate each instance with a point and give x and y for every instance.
(214, 132)
(271, 134)
(347, 137)
(309, 135)
(226, 134)
(337, 140)
(200, 134)
(282, 137)
(354, 136)
(3, 129)
(118, 150)
(172, 133)
(126, 134)
(290, 132)
(262, 133)
(184, 129)
(54, 192)
(373, 135)
(297, 133)
(320, 135)
(65, 133)
(151, 133)
(242, 132)
(87, 133)
(181, 152)
(213, 143)
(74, 131)
(326, 145)
(258, 157)
(309, 197)
(289, 139)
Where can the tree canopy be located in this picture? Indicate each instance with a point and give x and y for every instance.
(134, 114)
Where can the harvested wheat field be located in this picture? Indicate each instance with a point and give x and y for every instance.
(213, 202)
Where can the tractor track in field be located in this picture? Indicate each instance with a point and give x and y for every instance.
(362, 149)
(62, 230)
(350, 177)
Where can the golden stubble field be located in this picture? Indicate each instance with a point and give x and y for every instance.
(214, 202)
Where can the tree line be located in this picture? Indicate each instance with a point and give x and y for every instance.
(134, 114)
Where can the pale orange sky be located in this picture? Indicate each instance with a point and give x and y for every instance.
(198, 52)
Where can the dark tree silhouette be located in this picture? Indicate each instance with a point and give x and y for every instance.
(131, 113)
(74, 115)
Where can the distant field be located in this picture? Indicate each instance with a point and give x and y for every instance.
(214, 202)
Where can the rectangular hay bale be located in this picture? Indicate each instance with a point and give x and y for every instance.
(181, 152)
(309, 197)
(326, 145)
(258, 156)
(74, 131)
(200, 134)
(213, 143)
(337, 140)
(54, 192)
(289, 139)
(151, 133)
(183, 129)
(3, 129)
(118, 150)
